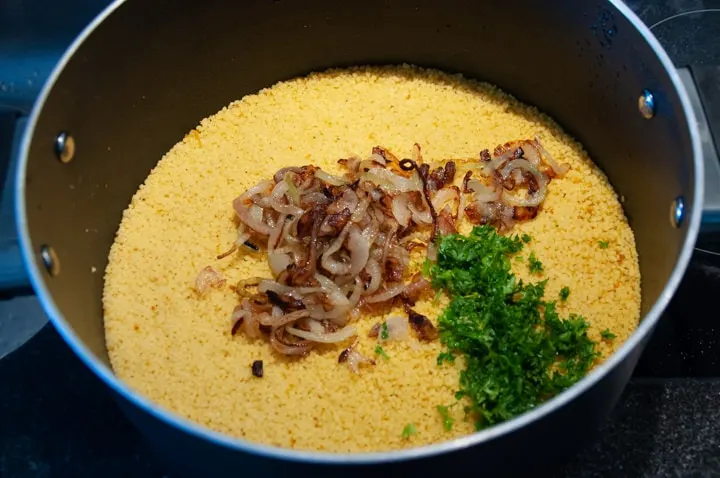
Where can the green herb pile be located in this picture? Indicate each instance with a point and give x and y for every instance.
(518, 351)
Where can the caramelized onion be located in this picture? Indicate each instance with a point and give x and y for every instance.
(397, 329)
(559, 169)
(354, 358)
(279, 262)
(359, 247)
(286, 347)
(324, 338)
(483, 193)
(390, 181)
(207, 278)
(329, 178)
(444, 196)
(400, 210)
(332, 291)
(339, 245)
(533, 199)
(389, 293)
(278, 319)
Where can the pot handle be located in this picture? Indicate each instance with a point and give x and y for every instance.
(13, 275)
(704, 93)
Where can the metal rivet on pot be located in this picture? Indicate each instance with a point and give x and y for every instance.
(64, 147)
(646, 104)
(677, 212)
(50, 260)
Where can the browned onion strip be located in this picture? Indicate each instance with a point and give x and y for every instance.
(422, 325)
(282, 319)
(244, 210)
(325, 338)
(408, 165)
(387, 294)
(559, 169)
(534, 199)
(285, 347)
(354, 358)
(227, 253)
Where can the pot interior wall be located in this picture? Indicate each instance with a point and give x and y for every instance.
(154, 69)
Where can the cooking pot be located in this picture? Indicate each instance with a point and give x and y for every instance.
(144, 73)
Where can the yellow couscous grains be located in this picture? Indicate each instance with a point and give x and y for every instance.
(175, 347)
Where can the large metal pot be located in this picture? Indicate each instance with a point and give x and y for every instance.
(143, 73)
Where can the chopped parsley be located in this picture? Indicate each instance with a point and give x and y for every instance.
(604, 244)
(445, 357)
(534, 264)
(444, 412)
(564, 293)
(408, 431)
(518, 352)
(379, 351)
(384, 334)
(607, 335)
(525, 238)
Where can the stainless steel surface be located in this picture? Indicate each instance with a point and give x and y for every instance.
(65, 147)
(646, 104)
(711, 207)
(677, 212)
(629, 149)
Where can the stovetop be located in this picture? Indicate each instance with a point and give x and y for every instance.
(57, 419)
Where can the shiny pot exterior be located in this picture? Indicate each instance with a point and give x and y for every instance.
(144, 73)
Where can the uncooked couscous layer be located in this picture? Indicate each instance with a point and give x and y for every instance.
(176, 348)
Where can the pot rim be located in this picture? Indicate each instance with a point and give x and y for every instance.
(364, 458)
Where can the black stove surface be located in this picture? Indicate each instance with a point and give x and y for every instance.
(58, 420)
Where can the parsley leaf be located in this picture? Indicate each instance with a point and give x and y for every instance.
(525, 238)
(445, 357)
(384, 334)
(518, 352)
(534, 264)
(444, 412)
(409, 431)
(379, 351)
(607, 335)
(564, 293)
(604, 244)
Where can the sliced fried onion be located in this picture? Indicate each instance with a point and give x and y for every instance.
(354, 359)
(278, 319)
(533, 199)
(389, 293)
(279, 261)
(400, 210)
(325, 338)
(559, 169)
(341, 245)
(483, 193)
(329, 178)
(397, 329)
(390, 181)
(282, 345)
(208, 278)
